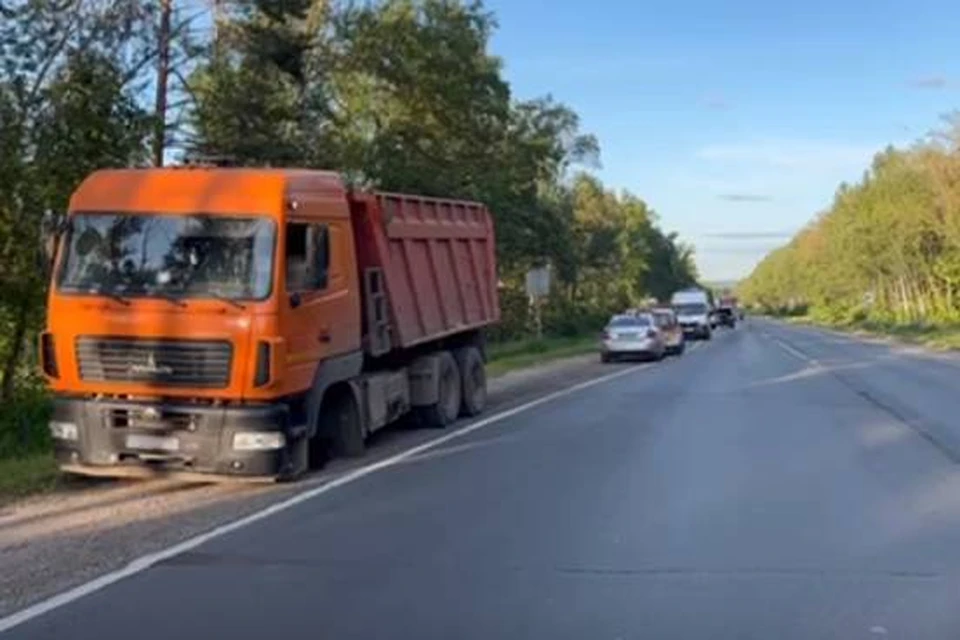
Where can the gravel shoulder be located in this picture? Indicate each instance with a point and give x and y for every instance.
(53, 542)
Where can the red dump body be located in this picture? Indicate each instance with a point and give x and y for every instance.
(437, 259)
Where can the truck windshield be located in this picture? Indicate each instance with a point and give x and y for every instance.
(691, 309)
(191, 256)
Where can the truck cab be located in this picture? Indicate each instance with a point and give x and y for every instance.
(196, 297)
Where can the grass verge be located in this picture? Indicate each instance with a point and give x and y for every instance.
(27, 475)
(935, 336)
(521, 354)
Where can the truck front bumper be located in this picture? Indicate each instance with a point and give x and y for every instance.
(135, 439)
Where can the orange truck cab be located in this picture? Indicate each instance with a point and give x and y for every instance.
(243, 322)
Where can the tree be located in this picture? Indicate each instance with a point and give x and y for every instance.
(66, 70)
(888, 248)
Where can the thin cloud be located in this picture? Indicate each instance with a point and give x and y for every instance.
(929, 82)
(740, 250)
(792, 155)
(745, 197)
(751, 235)
(716, 104)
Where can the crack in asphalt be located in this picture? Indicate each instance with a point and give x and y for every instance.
(205, 559)
(913, 424)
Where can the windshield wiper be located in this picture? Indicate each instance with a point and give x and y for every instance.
(113, 295)
(227, 299)
(179, 301)
(169, 297)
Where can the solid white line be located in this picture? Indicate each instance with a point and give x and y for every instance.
(796, 353)
(145, 562)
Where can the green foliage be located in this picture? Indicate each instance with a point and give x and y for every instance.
(887, 250)
(27, 475)
(23, 423)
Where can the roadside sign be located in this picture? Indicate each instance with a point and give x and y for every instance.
(538, 282)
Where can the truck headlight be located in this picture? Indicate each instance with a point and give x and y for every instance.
(258, 440)
(64, 430)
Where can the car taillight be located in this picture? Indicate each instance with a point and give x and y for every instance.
(48, 355)
(262, 375)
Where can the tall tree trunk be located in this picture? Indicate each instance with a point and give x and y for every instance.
(920, 297)
(15, 354)
(163, 70)
(904, 300)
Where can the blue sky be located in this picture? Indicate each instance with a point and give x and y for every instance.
(736, 120)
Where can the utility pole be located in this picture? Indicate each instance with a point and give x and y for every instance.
(217, 25)
(163, 70)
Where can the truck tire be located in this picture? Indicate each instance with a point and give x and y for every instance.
(447, 407)
(299, 461)
(345, 427)
(473, 381)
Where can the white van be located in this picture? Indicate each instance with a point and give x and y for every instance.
(693, 312)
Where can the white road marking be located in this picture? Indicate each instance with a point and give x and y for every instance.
(145, 562)
(796, 353)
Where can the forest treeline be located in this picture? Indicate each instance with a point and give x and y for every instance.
(402, 95)
(887, 250)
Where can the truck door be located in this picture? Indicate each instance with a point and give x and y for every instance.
(321, 317)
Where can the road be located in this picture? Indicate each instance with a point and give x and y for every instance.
(777, 482)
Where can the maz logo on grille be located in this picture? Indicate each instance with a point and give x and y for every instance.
(151, 367)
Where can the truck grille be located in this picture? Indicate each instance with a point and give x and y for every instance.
(175, 363)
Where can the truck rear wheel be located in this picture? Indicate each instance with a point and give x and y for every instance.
(447, 407)
(473, 381)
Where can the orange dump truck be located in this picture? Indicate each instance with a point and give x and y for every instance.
(246, 322)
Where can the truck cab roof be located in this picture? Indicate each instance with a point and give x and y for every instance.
(212, 190)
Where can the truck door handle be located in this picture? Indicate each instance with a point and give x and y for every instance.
(324, 335)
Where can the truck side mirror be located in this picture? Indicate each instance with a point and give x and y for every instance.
(295, 300)
(49, 244)
(51, 228)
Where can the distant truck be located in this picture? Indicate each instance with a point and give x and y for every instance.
(247, 323)
(693, 310)
(733, 303)
(726, 312)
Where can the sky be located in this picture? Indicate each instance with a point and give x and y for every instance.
(736, 119)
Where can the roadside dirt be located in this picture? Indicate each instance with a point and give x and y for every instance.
(53, 542)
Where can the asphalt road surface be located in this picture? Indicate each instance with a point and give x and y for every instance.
(774, 483)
